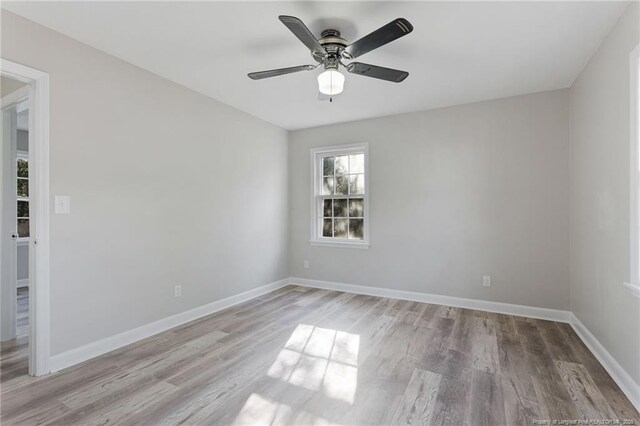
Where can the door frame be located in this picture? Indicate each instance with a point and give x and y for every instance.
(9, 247)
(39, 250)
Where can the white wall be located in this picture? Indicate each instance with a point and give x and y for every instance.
(456, 193)
(167, 187)
(600, 158)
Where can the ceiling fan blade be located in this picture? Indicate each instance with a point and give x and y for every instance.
(280, 71)
(374, 71)
(300, 30)
(383, 35)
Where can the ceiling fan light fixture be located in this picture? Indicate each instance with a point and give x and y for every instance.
(331, 82)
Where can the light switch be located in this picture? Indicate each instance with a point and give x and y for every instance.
(63, 204)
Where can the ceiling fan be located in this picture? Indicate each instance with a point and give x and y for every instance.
(331, 50)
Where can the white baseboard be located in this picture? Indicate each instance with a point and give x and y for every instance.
(459, 302)
(630, 388)
(94, 349)
(22, 283)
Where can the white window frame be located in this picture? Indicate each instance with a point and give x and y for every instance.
(634, 107)
(22, 155)
(316, 196)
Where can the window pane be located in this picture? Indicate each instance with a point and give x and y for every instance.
(328, 208)
(356, 207)
(356, 163)
(356, 227)
(356, 184)
(340, 208)
(23, 209)
(340, 229)
(327, 166)
(23, 188)
(23, 168)
(327, 186)
(342, 194)
(342, 185)
(23, 228)
(327, 228)
(342, 165)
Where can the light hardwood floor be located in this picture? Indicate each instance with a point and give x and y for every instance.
(307, 356)
(22, 317)
(14, 361)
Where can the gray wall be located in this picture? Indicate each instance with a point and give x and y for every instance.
(9, 85)
(167, 187)
(455, 194)
(600, 158)
(23, 140)
(22, 262)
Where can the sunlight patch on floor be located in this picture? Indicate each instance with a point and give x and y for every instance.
(261, 411)
(320, 359)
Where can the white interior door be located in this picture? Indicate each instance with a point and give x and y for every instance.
(8, 254)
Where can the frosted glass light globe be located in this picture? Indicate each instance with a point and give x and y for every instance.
(331, 82)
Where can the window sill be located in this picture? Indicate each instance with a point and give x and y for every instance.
(635, 288)
(339, 244)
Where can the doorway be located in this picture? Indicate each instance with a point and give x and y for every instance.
(14, 318)
(24, 220)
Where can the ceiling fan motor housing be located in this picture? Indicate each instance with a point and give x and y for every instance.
(334, 45)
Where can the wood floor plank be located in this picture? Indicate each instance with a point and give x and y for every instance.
(584, 392)
(484, 345)
(302, 356)
(437, 356)
(520, 400)
(462, 331)
(558, 346)
(452, 402)
(553, 406)
(487, 403)
(553, 398)
(419, 399)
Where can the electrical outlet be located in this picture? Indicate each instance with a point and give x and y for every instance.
(177, 291)
(486, 281)
(306, 264)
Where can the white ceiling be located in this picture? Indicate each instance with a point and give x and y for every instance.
(459, 52)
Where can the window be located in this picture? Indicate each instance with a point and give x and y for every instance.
(340, 203)
(22, 193)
